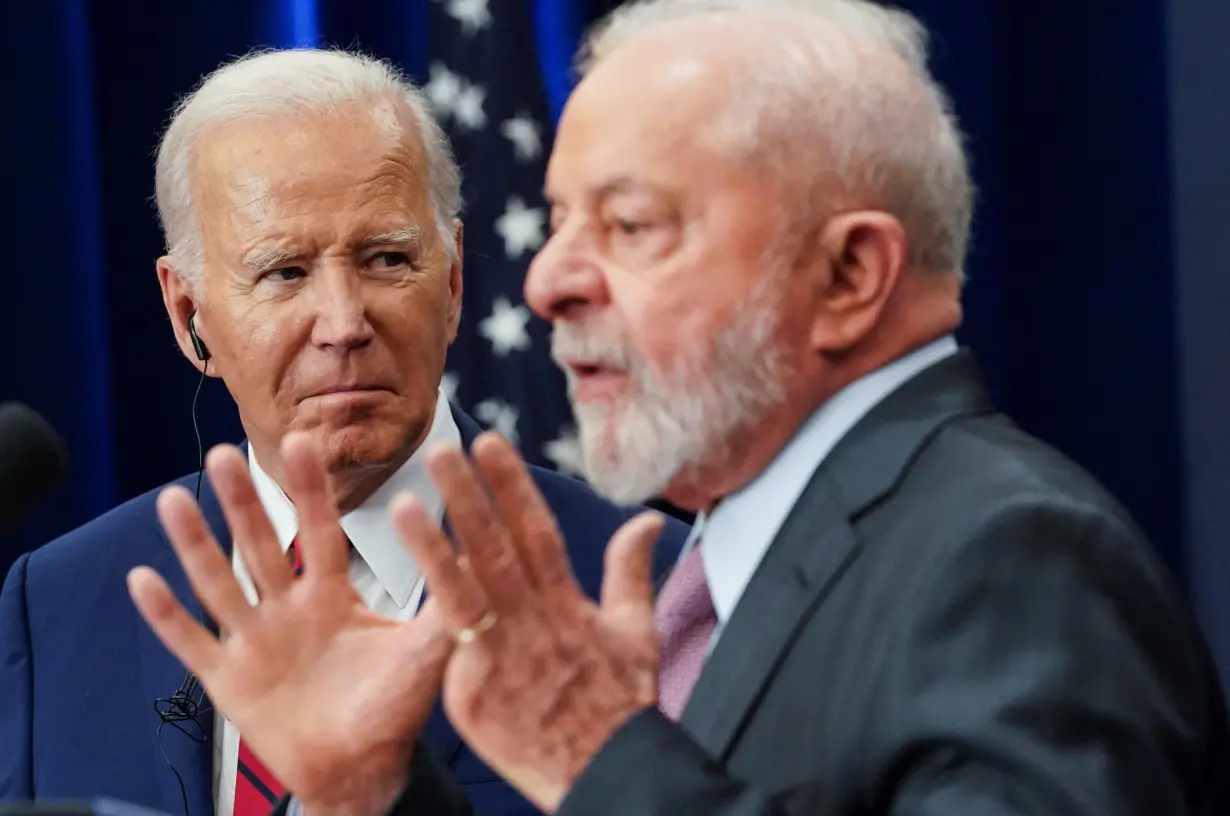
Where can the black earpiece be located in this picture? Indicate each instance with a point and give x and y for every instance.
(188, 709)
(198, 345)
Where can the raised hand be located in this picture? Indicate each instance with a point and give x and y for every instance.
(543, 675)
(329, 695)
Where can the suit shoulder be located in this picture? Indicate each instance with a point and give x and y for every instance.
(985, 496)
(571, 497)
(990, 466)
(983, 489)
(588, 520)
(122, 533)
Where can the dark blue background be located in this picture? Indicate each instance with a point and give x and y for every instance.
(1097, 302)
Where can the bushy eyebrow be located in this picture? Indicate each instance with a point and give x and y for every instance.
(617, 185)
(406, 235)
(262, 260)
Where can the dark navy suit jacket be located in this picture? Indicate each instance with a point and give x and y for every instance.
(80, 670)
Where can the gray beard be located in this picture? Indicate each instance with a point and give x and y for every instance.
(676, 426)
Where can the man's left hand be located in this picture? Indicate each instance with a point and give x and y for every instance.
(543, 676)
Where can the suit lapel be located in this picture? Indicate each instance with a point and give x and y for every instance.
(445, 742)
(806, 558)
(817, 543)
(191, 757)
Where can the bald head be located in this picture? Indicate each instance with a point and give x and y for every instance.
(831, 97)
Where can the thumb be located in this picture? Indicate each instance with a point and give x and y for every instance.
(628, 579)
(406, 674)
(428, 641)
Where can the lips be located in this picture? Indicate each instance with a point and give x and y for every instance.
(595, 382)
(585, 368)
(348, 389)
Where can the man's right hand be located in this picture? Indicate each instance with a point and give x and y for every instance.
(328, 695)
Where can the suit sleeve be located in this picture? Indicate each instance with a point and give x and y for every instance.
(651, 767)
(16, 701)
(1047, 669)
(430, 791)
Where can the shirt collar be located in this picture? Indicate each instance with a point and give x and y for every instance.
(739, 530)
(368, 526)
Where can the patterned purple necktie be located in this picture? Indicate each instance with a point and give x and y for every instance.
(685, 620)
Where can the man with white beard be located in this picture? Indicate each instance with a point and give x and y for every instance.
(894, 601)
(689, 415)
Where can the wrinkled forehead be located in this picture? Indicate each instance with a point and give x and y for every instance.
(653, 106)
(652, 137)
(248, 166)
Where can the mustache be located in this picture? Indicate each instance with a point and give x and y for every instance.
(571, 342)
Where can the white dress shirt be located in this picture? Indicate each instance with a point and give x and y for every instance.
(381, 569)
(741, 527)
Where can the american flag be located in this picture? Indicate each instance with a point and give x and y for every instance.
(483, 80)
(487, 87)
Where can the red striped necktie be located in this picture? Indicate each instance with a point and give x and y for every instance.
(257, 790)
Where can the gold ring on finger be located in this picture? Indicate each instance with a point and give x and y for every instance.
(470, 634)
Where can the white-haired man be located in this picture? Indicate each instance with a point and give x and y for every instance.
(896, 602)
(313, 263)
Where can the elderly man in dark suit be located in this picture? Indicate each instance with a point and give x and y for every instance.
(894, 601)
(314, 264)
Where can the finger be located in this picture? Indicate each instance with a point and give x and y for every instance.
(323, 546)
(207, 567)
(460, 597)
(245, 516)
(535, 533)
(192, 644)
(628, 566)
(483, 535)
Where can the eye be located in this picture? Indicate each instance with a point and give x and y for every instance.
(390, 260)
(286, 273)
(641, 233)
(631, 228)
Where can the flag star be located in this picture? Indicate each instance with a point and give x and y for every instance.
(448, 384)
(443, 89)
(505, 327)
(468, 109)
(473, 15)
(500, 417)
(565, 452)
(521, 227)
(523, 132)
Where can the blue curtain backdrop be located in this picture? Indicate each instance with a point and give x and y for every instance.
(1072, 306)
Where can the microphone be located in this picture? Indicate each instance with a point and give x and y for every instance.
(33, 460)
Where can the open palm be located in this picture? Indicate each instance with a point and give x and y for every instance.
(547, 675)
(329, 695)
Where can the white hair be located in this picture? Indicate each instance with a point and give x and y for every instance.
(291, 82)
(844, 82)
